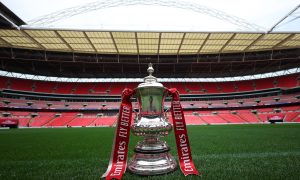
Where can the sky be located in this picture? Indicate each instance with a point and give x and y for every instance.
(263, 13)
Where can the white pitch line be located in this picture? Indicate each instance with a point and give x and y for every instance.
(246, 155)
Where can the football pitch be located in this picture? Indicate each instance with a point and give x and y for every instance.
(219, 152)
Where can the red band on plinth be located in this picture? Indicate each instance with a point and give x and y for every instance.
(182, 141)
(118, 160)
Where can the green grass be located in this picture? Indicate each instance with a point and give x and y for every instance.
(219, 152)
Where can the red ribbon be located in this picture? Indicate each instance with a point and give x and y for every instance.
(118, 160)
(182, 140)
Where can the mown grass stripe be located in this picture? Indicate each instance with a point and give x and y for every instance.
(219, 152)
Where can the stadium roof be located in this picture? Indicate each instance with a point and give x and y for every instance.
(44, 47)
(146, 43)
(8, 19)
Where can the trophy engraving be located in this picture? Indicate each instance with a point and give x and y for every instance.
(152, 155)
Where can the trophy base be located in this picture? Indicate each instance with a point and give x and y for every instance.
(152, 164)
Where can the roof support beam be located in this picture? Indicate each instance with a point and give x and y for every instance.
(228, 41)
(207, 37)
(63, 40)
(257, 39)
(113, 39)
(85, 35)
(32, 39)
(158, 47)
(5, 42)
(283, 41)
(137, 43)
(181, 43)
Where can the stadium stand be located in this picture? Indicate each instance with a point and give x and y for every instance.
(247, 116)
(50, 119)
(20, 84)
(61, 119)
(101, 88)
(213, 119)
(104, 121)
(81, 121)
(44, 87)
(297, 119)
(230, 118)
(83, 88)
(227, 87)
(41, 119)
(288, 81)
(64, 88)
(60, 104)
(264, 84)
(242, 86)
(3, 81)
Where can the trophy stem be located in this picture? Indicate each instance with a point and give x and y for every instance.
(152, 144)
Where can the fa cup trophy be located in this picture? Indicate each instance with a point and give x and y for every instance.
(152, 155)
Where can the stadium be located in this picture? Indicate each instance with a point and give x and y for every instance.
(60, 91)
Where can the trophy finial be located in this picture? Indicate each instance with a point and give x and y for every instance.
(150, 69)
(150, 80)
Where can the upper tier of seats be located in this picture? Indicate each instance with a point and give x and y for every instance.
(194, 104)
(111, 88)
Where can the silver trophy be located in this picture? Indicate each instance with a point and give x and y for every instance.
(152, 155)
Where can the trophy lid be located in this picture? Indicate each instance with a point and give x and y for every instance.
(150, 80)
